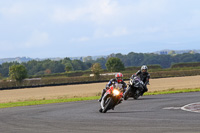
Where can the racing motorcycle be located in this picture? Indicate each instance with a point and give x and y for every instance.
(111, 98)
(135, 88)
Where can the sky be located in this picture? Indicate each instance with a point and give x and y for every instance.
(73, 28)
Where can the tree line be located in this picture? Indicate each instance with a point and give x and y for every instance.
(165, 61)
(47, 66)
(112, 63)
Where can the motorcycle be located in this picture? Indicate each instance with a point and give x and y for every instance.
(111, 98)
(135, 88)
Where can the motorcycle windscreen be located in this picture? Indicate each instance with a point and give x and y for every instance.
(117, 85)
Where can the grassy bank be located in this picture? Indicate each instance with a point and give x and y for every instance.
(39, 102)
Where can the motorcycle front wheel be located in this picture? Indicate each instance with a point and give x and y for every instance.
(108, 104)
(136, 95)
(126, 93)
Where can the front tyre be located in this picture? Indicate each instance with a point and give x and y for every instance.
(100, 110)
(136, 95)
(126, 93)
(108, 104)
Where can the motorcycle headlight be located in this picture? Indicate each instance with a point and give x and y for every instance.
(116, 92)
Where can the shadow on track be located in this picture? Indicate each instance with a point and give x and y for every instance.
(144, 98)
(128, 112)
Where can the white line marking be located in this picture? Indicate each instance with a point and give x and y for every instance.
(172, 108)
(192, 107)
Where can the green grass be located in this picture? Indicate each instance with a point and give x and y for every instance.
(39, 102)
(171, 91)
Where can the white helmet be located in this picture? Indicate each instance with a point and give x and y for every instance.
(144, 67)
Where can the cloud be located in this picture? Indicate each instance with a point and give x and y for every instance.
(104, 12)
(81, 39)
(90, 22)
(63, 15)
(6, 46)
(116, 32)
(24, 10)
(113, 18)
(12, 11)
(95, 11)
(119, 32)
(37, 39)
(195, 19)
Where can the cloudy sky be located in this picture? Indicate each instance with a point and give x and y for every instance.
(71, 28)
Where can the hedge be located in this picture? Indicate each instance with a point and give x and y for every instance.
(86, 79)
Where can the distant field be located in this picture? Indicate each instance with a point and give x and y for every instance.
(70, 91)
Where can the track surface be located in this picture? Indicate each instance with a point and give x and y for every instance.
(148, 114)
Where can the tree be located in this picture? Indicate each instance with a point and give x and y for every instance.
(88, 58)
(172, 52)
(192, 52)
(68, 67)
(4, 68)
(66, 61)
(47, 71)
(114, 64)
(56, 67)
(1, 76)
(96, 69)
(102, 61)
(18, 72)
(79, 65)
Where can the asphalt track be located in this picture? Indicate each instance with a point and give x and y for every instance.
(148, 114)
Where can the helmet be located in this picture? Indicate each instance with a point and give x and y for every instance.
(144, 68)
(119, 77)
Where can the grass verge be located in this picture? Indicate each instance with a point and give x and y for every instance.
(39, 102)
(171, 91)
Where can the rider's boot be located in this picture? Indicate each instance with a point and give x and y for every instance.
(103, 92)
(142, 93)
(145, 90)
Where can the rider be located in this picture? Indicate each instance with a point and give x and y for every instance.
(118, 79)
(144, 76)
